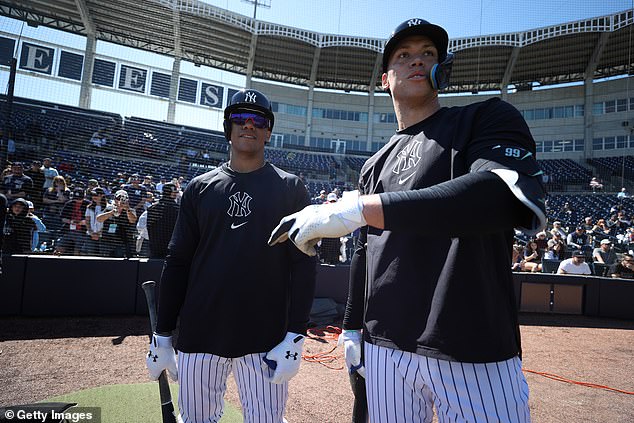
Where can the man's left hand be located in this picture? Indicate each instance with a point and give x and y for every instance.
(306, 227)
(285, 358)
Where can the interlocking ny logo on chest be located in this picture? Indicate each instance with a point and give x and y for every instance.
(406, 161)
(239, 207)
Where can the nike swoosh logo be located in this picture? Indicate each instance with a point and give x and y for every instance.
(403, 180)
(234, 226)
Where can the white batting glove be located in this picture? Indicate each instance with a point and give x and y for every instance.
(161, 356)
(306, 227)
(285, 358)
(351, 341)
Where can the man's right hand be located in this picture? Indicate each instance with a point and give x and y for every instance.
(352, 343)
(161, 356)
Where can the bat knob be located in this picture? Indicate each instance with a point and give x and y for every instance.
(271, 363)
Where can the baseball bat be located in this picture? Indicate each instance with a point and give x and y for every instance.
(167, 408)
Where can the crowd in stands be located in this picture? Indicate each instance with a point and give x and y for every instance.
(73, 212)
(52, 212)
(585, 237)
(69, 167)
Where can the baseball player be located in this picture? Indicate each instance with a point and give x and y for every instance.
(439, 321)
(243, 306)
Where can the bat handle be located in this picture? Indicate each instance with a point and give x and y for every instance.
(149, 288)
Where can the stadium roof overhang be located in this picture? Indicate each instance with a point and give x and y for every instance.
(207, 35)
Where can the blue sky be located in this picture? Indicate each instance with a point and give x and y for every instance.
(461, 18)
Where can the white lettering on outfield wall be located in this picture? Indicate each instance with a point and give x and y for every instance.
(132, 79)
(39, 59)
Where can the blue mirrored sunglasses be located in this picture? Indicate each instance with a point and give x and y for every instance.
(242, 118)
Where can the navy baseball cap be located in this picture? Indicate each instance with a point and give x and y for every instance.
(416, 26)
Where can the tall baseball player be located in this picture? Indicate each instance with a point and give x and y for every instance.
(439, 320)
(243, 306)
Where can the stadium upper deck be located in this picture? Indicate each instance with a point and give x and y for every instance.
(203, 34)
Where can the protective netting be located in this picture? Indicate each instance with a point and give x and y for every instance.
(91, 155)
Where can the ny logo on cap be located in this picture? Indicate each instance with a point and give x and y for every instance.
(414, 22)
(250, 97)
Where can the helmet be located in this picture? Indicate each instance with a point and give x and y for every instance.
(416, 26)
(248, 100)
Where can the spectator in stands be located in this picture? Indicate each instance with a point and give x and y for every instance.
(532, 258)
(94, 228)
(159, 186)
(161, 219)
(615, 225)
(624, 269)
(557, 228)
(578, 240)
(623, 222)
(137, 193)
(118, 231)
(18, 228)
(54, 199)
(604, 254)
(98, 141)
(576, 265)
(10, 148)
(628, 238)
(37, 176)
(74, 220)
(148, 183)
(517, 259)
(49, 173)
(149, 200)
(622, 194)
(39, 226)
(321, 198)
(178, 186)
(541, 239)
(595, 184)
(601, 231)
(142, 236)
(92, 184)
(17, 184)
(6, 172)
(587, 225)
(556, 249)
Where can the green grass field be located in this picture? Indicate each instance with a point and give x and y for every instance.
(135, 403)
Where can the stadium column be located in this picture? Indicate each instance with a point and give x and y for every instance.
(508, 72)
(311, 92)
(176, 66)
(589, 94)
(252, 48)
(176, 71)
(85, 93)
(378, 65)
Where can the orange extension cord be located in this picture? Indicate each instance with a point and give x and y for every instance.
(325, 358)
(576, 382)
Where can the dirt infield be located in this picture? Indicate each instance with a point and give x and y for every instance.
(40, 358)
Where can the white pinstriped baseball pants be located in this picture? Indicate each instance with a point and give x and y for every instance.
(403, 387)
(203, 382)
